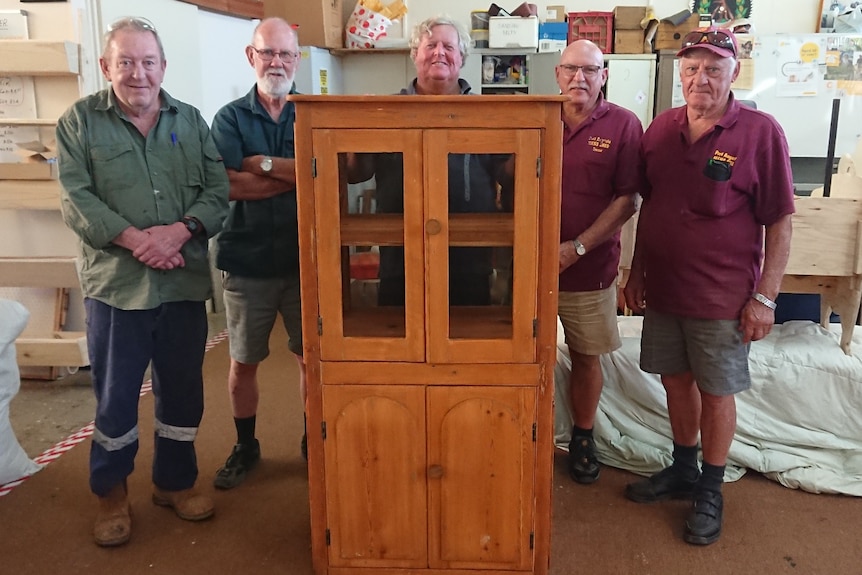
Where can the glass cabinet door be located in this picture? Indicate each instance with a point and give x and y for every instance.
(372, 241)
(428, 249)
(481, 244)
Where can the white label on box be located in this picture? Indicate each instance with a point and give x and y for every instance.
(513, 32)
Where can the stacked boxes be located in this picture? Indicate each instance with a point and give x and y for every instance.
(594, 26)
(628, 33)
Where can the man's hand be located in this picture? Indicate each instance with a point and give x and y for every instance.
(756, 321)
(160, 247)
(635, 293)
(568, 256)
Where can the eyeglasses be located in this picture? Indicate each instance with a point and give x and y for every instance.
(268, 55)
(715, 38)
(587, 71)
(133, 22)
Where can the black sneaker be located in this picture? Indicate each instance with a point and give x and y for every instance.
(668, 483)
(583, 465)
(241, 460)
(703, 525)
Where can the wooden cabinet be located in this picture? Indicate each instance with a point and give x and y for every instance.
(434, 451)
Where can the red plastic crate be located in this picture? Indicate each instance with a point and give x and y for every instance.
(597, 27)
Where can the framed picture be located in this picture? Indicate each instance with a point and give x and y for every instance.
(723, 10)
(830, 10)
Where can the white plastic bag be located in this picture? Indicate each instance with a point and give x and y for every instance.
(365, 26)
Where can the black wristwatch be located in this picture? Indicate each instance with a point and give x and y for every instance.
(193, 225)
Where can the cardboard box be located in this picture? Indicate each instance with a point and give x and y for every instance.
(669, 36)
(553, 31)
(552, 45)
(629, 41)
(28, 171)
(555, 14)
(320, 22)
(629, 17)
(513, 32)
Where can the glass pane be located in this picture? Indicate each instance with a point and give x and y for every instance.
(481, 232)
(372, 244)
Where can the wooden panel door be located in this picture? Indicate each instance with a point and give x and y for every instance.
(481, 454)
(502, 332)
(375, 476)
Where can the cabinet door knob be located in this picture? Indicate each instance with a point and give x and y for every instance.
(433, 227)
(435, 472)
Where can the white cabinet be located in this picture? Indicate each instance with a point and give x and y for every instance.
(631, 83)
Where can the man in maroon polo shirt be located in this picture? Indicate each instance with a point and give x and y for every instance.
(718, 176)
(601, 177)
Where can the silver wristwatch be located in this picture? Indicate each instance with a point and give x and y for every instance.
(580, 249)
(266, 164)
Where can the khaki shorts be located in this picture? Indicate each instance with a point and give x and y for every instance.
(251, 306)
(590, 320)
(711, 349)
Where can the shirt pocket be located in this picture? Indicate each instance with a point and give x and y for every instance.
(115, 170)
(712, 194)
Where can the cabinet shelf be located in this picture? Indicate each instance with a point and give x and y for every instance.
(476, 230)
(28, 121)
(29, 195)
(39, 58)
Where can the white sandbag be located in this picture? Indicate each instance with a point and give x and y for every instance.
(14, 463)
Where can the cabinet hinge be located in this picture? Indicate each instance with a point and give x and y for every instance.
(535, 326)
(534, 433)
(532, 538)
(329, 539)
(320, 326)
(313, 167)
(323, 430)
(539, 167)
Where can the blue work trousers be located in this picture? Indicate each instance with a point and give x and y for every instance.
(172, 339)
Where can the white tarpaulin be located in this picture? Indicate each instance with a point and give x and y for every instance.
(800, 424)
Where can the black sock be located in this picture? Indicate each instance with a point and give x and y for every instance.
(685, 460)
(712, 477)
(245, 429)
(579, 432)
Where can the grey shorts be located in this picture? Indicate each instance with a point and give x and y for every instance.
(251, 306)
(712, 350)
(590, 320)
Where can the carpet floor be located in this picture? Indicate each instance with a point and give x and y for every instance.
(262, 526)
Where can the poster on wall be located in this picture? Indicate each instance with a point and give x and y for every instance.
(723, 11)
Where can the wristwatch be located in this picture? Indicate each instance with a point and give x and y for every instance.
(192, 225)
(580, 249)
(266, 164)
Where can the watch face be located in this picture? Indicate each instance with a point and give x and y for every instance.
(191, 225)
(266, 164)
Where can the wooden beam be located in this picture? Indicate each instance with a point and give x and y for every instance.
(28, 121)
(38, 58)
(66, 348)
(29, 195)
(52, 272)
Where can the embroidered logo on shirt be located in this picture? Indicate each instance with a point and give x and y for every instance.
(599, 144)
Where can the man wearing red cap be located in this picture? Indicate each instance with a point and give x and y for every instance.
(718, 178)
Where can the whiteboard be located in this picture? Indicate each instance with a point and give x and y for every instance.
(793, 78)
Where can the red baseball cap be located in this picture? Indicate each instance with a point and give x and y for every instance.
(719, 41)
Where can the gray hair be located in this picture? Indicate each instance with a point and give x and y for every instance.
(424, 29)
(135, 23)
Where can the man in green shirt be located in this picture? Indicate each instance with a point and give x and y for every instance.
(143, 187)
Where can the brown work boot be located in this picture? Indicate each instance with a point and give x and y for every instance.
(114, 519)
(188, 504)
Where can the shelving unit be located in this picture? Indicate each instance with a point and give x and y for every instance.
(32, 188)
(516, 71)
